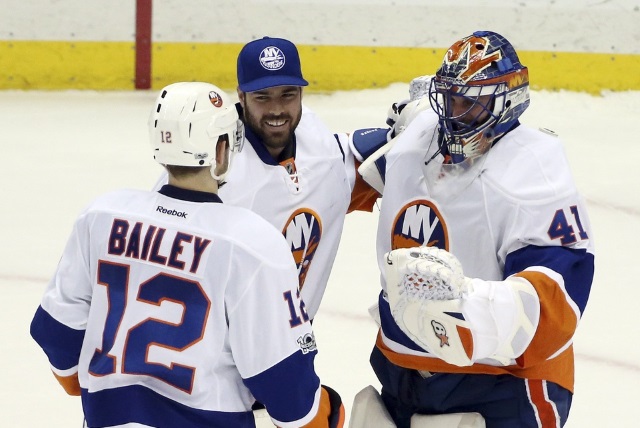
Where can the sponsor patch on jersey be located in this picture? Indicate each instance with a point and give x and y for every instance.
(303, 231)
(419, 223)
(172, 212)
(272, 58)
(307, 343)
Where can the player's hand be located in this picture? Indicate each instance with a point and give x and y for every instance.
(425, 288)
(425, 273)
(458, 319)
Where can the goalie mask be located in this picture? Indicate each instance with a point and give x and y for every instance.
(187, 122)
(479, 92)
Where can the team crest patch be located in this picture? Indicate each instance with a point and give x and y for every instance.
(440, 332)
(215, 99)
(419, 223)
(302, 232)
(272, 58)
(307, 343)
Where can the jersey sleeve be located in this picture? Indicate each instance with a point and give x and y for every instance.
(558, 260)
(363, 196)
(59, 323)
(274, 347)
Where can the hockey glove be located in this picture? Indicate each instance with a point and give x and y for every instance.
(331, 411)
(458, 319)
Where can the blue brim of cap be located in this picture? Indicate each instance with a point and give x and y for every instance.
(272, 81)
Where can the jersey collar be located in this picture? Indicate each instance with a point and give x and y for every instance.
(188, 195)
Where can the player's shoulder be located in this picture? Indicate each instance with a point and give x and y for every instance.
(251, 234)
(115, 199)
(418, 138)
(313, 135)
(531, 164)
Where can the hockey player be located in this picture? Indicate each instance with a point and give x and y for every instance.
(486, 256)
(171, 309)
(293, 171)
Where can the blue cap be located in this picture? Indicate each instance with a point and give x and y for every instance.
(269, 62)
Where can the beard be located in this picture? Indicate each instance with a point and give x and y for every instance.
(273, 139)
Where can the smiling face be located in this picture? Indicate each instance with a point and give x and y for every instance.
(273, 114)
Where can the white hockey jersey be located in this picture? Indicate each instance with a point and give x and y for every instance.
(176, 311)
(307, 203)
(514, 211)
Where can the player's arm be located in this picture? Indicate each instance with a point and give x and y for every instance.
(273, 343)
(558, 261)
(459, 319)
(62, 346)
(462, 320)
(59, 323)
(370, 145)
(562, 278)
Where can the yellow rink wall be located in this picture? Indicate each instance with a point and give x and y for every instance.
(111, 66)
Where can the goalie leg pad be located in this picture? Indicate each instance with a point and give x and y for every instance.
(368, 411)
(453, 420)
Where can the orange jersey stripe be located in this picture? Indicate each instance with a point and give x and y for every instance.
(544, 409)
(557, 323)
(70, 383)
(559, 370)
(363, 196)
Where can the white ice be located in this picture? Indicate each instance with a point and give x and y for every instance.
(61, 149)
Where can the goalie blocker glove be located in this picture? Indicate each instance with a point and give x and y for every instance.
(458, 319)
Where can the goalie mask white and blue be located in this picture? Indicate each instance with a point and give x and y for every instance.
(479, 92)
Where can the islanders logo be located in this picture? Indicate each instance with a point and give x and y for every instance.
(419, 223)
(215, 98)
(272, 58)
(302, 232)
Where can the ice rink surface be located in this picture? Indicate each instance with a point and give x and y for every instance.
(62, 149)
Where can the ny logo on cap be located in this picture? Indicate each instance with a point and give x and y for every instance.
(272, 58)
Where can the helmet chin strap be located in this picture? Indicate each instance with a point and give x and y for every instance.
(218, 178)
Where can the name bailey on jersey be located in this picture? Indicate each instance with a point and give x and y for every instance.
(170, 248)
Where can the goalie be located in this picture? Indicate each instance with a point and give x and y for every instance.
(485, 250)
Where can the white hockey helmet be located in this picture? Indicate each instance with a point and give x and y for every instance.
(186, 122)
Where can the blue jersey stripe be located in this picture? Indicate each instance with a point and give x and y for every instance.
(288, 388)
(142, 405)
(575, 265)
(62, 344)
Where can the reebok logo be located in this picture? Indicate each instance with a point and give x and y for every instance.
(163, 210)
